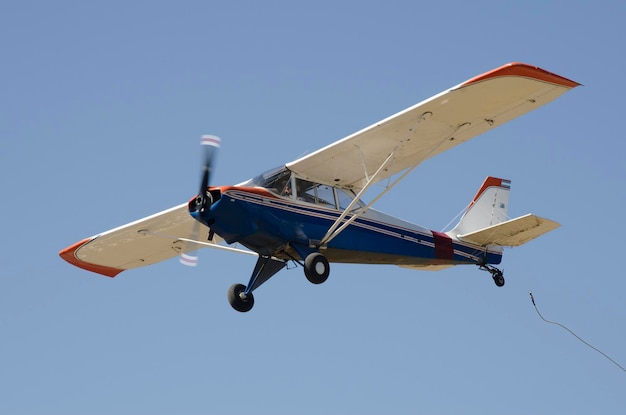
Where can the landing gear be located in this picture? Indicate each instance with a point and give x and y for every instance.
(496, 274)
(238, 300)
(316, 268)
(240, 296)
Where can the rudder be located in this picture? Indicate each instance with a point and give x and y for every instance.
(488, 207)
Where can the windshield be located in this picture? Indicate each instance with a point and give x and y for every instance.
(274, 180)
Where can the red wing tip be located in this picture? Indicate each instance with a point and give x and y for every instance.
(69, 255)
(524, 70)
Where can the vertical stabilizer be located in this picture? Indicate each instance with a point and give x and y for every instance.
(489, 207)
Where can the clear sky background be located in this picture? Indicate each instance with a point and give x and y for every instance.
(102, 106)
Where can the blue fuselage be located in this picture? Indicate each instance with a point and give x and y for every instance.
(280, 226)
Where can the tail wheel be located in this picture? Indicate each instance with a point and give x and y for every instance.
(498, 278)
(316, 268)
(238, 300)
(496, 274)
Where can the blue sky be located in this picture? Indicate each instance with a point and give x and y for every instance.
(101, 111)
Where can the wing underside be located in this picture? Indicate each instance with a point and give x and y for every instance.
(433, 126)
(144, 242)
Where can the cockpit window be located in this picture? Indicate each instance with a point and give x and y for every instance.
(325, 195)
(312, 192)
(279, 181)
(306, 191)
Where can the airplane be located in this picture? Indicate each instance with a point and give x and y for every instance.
(310, 211)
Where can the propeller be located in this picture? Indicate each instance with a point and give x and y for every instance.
(209, 144)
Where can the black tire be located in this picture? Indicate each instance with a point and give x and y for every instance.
(498, 278)
(235, 300)
(316, 268)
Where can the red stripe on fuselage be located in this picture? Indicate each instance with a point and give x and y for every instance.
(443, 246)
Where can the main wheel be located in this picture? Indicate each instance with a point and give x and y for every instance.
(498, 278)
(237, 300)
(316, 268)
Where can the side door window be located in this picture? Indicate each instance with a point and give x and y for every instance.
(325, 195)
(315, 193)
(305, 191)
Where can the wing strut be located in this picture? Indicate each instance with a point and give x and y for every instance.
(266, 267)
(338, 227)
(217, 246)
(335, 229)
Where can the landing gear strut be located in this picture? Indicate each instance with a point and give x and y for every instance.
(240, 296)
(496, 274)
(316, 269)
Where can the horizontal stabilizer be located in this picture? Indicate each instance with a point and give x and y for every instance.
(514, 232)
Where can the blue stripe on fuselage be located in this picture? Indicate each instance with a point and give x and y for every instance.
(267, 224)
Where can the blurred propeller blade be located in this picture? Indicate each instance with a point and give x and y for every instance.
(189, 257)
(188, 260)
(210, 144)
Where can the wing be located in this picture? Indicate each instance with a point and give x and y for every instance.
(433, 126)
(143, 242)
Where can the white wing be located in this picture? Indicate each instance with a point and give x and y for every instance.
(143, 242)
(433, 126)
